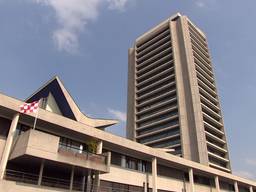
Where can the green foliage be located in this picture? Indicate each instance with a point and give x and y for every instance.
(92, 146)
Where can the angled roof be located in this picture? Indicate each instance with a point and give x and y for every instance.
(66, 103)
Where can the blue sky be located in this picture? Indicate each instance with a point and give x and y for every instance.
(85, 43)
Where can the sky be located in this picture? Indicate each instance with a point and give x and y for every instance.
(85, 43)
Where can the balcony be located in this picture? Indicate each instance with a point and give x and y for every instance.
(34, 143)
(152, 40)
(153, 46)
(29, 178)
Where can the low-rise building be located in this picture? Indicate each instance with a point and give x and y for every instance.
(68, 151)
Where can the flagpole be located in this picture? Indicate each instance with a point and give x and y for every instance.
(34, 126)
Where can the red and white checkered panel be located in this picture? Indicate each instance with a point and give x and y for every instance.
(29, 107)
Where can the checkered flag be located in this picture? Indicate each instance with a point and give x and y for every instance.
(29, 107)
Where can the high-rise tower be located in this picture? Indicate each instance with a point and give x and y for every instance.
(172, 97)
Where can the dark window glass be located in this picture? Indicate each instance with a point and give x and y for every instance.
(4, 127)
(107, 186)
(129, 162)
(116, 159)
(73, 145)
(202, 180)
(21, 128)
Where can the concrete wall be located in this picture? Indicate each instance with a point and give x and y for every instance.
(204, 188)
(19, 145)
(52, 105)
(39, 144)
(35, 143)
(119, 175)
(131, 177)
(130, 127)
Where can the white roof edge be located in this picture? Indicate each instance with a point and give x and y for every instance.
(199, 30)
(158, 25)
(80, 117)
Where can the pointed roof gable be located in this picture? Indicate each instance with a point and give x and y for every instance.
(66, 104)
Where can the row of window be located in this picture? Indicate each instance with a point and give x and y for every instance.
(129, 162)
(157, 118)
(164, 97)
(79, 147)
(151, 111)
(160, 135)
(73, 145)
(144, 166)
(154, 38)
(107, 186)
(161, 126)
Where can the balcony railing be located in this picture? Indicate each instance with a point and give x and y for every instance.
(22, 177)
(34, 143)
(29, 178)
(85, 155)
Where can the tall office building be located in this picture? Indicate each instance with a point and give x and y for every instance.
(172, 97)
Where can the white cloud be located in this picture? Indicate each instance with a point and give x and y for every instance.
(73, 16)
(65, 40)
(205, 3)
(248, 174)
(251, 162)
(118, 114)
(117, 4)
(200, 4)
(245, 174)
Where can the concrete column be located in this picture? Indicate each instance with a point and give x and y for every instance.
(236, 186)
(41, 172)
(251, 189)
(71, 178)
(123, 161)
(145, 186)
(154, 174)
(97, 173)
(217, 183)
(83, 183)
(99, 147)
(191, 180)
(97, 181)
(89, 181)
(108, 161)
(8, 145)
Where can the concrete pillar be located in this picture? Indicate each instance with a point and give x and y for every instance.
(8, 145)
(217, 183)
(83, 183)
(97, 182)
(108, 161)
(236, 186)
(191, 180)
(41, 172)
(251, 189)
(97, 173)
(123, 161)
(89, 181)
(71, 178)
(154, 174)
(145, 187)
(99, 147)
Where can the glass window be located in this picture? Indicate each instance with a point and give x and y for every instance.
(72, 145)
(129, 162)
(4, 127)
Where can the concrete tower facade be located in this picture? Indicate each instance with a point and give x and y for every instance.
(172, 96)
